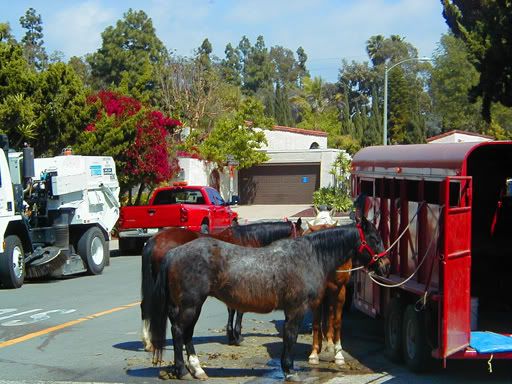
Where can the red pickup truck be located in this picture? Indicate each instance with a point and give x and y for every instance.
(197, 208)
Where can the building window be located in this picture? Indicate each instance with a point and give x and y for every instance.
(314, 145)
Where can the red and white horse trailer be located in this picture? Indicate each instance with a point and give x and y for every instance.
(448, 210)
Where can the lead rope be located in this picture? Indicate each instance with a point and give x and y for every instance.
(392, 245)
(424, 298)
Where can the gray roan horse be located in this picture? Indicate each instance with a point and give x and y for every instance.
(288, 275)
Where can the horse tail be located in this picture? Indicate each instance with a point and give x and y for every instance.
(147, 280)
(159, 310)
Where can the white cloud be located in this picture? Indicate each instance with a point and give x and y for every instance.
(76, 30)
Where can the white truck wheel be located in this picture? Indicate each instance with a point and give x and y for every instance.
(93, 250)
(12, 263)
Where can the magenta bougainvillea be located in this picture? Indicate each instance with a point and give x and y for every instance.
(145, 155)
(149, 156)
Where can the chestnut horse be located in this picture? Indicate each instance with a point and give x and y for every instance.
(328, 317)
(251, 235)
(289, 275)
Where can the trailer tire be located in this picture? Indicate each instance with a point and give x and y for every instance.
(415, 344)
(12, 263)
(393, 330)
(93, 250)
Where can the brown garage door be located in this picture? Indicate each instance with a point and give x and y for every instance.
(279, 184)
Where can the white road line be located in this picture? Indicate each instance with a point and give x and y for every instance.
(19, 314)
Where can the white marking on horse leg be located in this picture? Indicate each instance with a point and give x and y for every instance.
(146, 336)
(338, 355)
(195, 368)
(329, 347)
(313, 358)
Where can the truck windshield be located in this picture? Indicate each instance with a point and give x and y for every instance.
(179, 196)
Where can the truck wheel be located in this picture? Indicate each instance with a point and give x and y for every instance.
(393, 330)
(12, 263)
(93, 249)
(416, 348)
(205, 228)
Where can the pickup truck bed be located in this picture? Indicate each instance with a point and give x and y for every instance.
(198, 208)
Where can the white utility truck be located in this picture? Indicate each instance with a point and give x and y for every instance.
(56, 214)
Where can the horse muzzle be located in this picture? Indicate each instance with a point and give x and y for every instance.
(382, 266)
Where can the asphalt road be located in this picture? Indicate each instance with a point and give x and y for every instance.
(87, 329)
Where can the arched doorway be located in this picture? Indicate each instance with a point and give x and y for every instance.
(214, 179)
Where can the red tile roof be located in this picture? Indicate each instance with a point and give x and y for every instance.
(440, 136)
(299, 130)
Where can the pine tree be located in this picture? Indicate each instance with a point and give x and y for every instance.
(32, 41)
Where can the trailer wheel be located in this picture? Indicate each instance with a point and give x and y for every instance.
(12, 264)
(393, 330)
(415, 343)
(93, 250)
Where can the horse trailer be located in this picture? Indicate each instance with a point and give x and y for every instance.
(445, 213)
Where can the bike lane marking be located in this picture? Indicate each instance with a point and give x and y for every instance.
(65, 325)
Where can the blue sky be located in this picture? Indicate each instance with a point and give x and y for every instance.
(328, 30)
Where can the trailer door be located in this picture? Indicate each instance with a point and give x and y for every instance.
(456, 265)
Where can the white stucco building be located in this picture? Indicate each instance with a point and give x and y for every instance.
(457, 136)
(299, 164)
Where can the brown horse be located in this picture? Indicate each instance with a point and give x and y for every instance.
(250, 235)
(328, 317)
(288, 275)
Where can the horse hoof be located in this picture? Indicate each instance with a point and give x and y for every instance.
(170, 374)
(292, 378)
(339, 361)
(314, 360)
(201, 376)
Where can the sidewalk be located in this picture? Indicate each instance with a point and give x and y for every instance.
(250, 213)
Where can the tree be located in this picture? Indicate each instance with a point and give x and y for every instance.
(486, 29)
(258, 69)
(18, 87)
(138, 138)
(127, 57)
(6, 34)
(453, 76)
(236, 135)
(193, 94)
(32, 42)
(302, 57)
(203, 54)
(231, 66)
(62, 111)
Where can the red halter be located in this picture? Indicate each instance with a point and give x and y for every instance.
(364, 246)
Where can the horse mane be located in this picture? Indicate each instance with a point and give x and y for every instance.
(331, 242)
(262, 233)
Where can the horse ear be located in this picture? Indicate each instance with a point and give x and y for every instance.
(359, 205)
(335, 223)
(316, 209)
(332, 212)
(298, 224)
(310, 226)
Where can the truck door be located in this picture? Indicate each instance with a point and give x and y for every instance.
(219, 215)
(456, 265)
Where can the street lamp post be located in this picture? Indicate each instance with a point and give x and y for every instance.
(386, 70)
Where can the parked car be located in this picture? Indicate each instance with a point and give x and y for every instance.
(198, 208)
